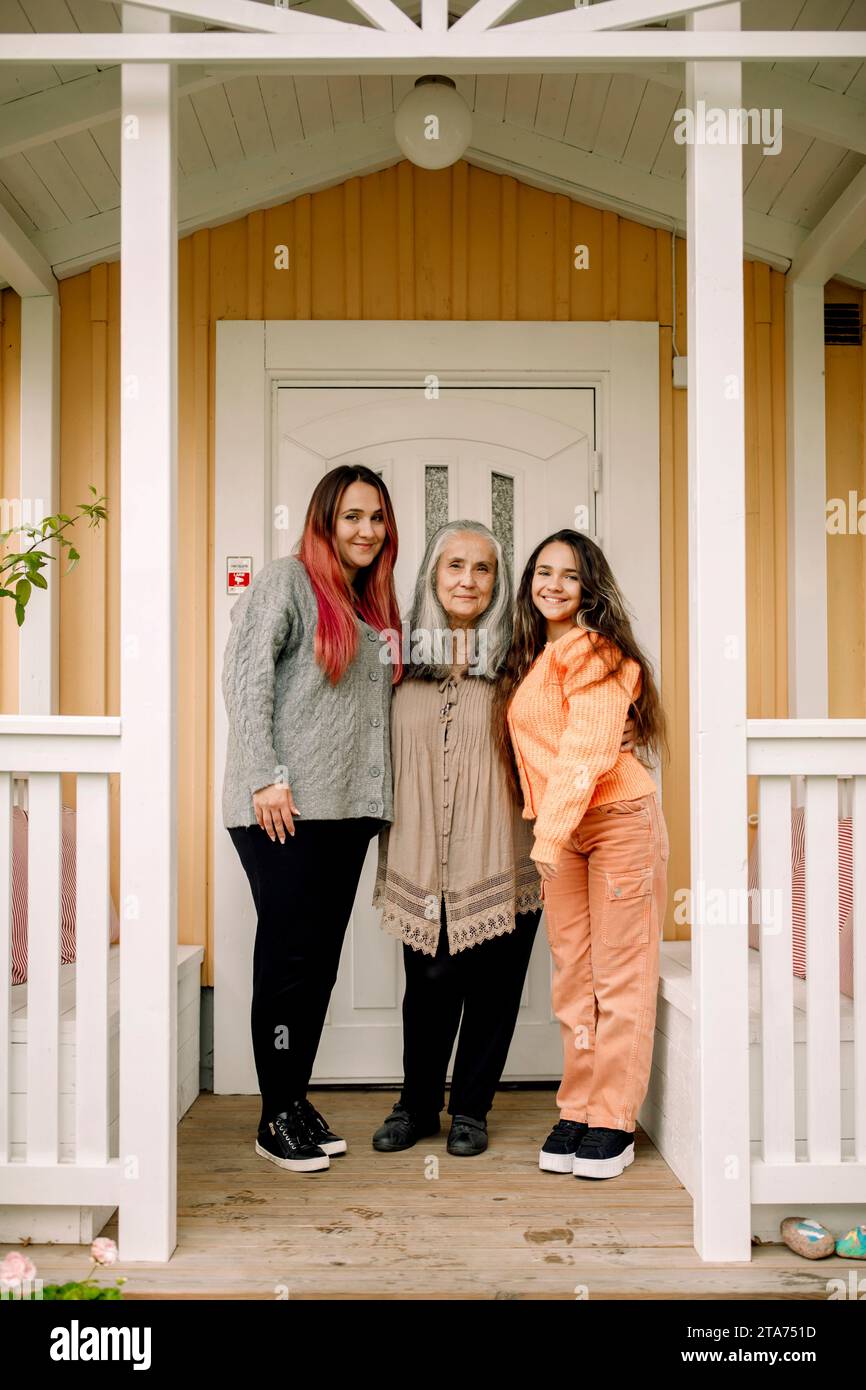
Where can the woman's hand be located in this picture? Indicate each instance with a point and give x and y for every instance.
(628, 739)
(546, 871)
(274, 807)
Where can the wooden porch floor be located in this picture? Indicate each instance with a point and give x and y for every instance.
(376, 1226)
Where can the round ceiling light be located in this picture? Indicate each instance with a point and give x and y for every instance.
(433, 124)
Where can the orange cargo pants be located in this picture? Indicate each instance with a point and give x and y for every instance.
(604, 911)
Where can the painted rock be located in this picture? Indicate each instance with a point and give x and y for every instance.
(853, 1245)
(807, 1238)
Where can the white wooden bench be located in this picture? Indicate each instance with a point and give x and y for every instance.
(667, 1114)
(79, 1224)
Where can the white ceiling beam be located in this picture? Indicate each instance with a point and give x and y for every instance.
(78, 105)
(363, 51)
(243, 15)
(839, 234)
(22, 265)
(434, 16)
(611, 14)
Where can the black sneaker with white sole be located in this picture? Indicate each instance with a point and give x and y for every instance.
(603, 1153)
(560, 1146)
(287, 1142)
(321, 1132)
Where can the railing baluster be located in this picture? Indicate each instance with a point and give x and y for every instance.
(43, 967)
(777, 993)
(34, 751)
(823, 1068)
(92, 887)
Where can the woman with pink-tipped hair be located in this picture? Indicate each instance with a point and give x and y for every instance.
(308, 779)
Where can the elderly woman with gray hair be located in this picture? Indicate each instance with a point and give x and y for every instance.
(455, 880)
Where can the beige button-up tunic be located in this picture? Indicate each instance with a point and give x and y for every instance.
(457, 832)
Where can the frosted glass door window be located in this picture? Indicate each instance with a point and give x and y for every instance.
(435, 497)
(502, 512)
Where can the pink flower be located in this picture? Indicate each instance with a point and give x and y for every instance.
(16, 1268)
(103, 1251)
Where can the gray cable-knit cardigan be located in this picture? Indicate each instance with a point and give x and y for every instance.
(331, 744)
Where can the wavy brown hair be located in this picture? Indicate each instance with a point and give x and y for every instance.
(603, 611)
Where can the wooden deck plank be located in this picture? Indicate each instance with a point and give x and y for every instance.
(375, 1226)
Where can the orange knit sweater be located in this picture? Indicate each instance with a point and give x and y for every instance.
(566, 735)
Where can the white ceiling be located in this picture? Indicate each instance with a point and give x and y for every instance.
(250, 141)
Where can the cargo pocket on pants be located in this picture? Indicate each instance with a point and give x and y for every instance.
(627, 908)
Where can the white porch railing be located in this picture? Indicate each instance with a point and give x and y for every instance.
(812, 762)
(790, 757)
(38, 749)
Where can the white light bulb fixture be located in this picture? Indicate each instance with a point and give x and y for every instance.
(433, 124)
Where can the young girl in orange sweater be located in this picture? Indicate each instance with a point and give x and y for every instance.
(600, 841)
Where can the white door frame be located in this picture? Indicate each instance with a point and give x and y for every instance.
(254, 358)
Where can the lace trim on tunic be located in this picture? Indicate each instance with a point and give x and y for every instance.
(479, 913)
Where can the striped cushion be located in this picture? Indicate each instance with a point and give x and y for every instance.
(798, 897)
(67, 893)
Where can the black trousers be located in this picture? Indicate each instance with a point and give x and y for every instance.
(303, 892)
(485, 983)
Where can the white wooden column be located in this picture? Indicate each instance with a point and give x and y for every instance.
(717, 662)
(148, 789)
(807, 501)
(38, 650)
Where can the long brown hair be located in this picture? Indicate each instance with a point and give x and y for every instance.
(602, 610)
(336, 631)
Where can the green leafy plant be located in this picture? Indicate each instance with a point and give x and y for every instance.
(21, 570)
(84, 1289)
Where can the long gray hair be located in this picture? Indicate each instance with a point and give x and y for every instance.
(428, 618)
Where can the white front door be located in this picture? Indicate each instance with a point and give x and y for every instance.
(509, 441)
(520, 460)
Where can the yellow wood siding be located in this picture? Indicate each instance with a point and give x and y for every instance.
(846, 554)
(404, 243)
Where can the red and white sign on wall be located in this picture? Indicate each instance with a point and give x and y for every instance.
(239, 572)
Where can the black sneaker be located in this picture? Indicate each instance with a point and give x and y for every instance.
(603, 1153)
(401, 1130)
(287, 1141)
(320, 1131)
(468, 1136)
(560, 1146)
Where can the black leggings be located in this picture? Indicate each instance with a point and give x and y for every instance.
(485, 982)
(303, 892)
